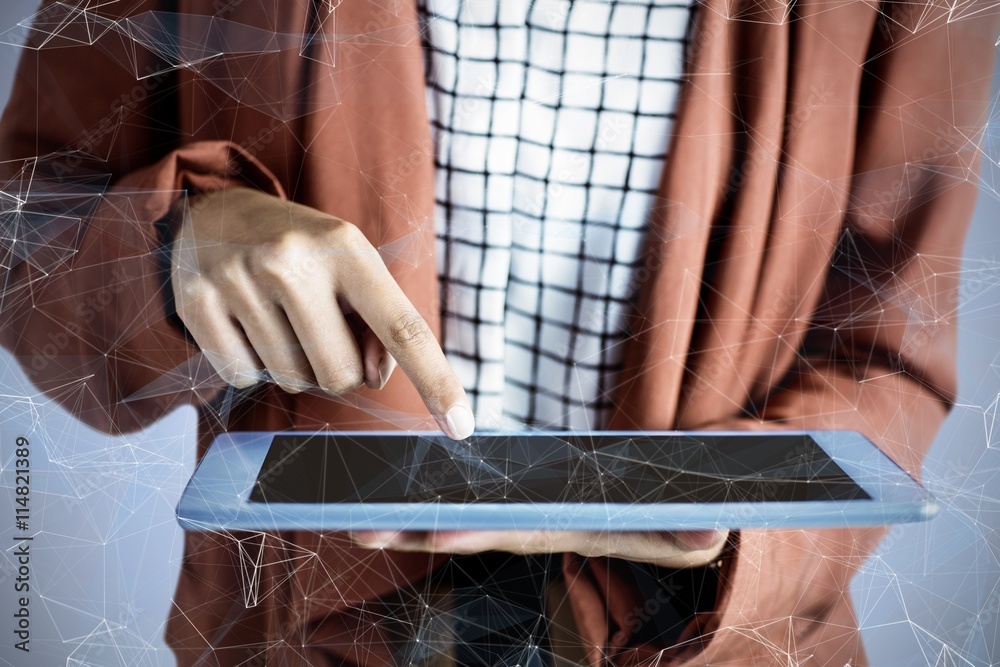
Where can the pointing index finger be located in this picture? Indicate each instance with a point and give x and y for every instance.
(374, 294)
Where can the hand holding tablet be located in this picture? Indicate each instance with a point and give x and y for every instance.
(563, 481)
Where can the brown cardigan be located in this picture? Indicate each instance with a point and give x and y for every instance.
(801, 272)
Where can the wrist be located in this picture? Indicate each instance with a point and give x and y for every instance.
(167, 229)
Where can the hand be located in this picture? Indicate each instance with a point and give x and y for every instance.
(263, 283)
(665, 549)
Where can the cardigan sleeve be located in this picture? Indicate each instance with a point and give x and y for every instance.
(89, 164)
(879, 357)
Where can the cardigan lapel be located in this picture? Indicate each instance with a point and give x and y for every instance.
(742, 229)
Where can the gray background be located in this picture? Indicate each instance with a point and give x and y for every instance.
(106, 559)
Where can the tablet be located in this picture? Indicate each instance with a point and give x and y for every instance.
(530, 480)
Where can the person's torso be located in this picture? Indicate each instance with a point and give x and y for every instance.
(550, 123)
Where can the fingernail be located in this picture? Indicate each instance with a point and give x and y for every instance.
(461, 423)
(700, 540)
(376, 539)
(254, 374)
(385, 367)
(301, 385)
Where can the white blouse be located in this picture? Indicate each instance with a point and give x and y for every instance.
(551, 122)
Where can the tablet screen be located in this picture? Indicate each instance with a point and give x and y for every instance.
(565, 468)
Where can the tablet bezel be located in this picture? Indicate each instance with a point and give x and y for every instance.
(216, 497)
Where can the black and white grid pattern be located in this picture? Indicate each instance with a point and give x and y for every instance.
(551, 122)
